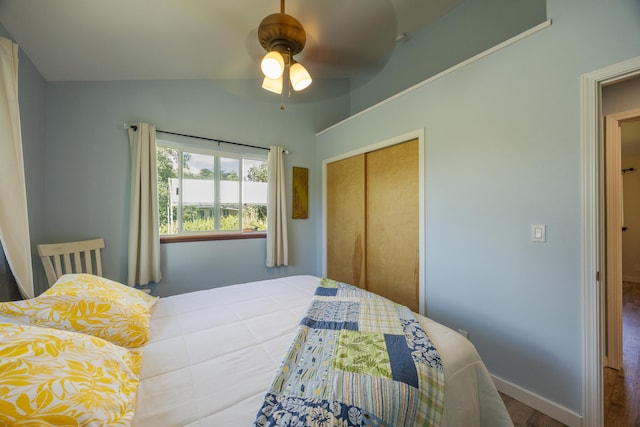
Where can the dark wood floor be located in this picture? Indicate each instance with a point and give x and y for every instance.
(622, 388)
(525, 416)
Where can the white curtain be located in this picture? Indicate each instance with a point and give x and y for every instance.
(277, 246)
(14, 221)
(144, 233)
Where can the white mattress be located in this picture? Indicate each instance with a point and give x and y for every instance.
(213, 354)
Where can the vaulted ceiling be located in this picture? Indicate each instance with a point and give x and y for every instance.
(76, 40)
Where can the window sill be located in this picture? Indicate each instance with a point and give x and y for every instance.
(207, 237)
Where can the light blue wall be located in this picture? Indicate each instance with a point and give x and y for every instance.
(31, 97)
(474, 26)
(502, 152)
(87, 180)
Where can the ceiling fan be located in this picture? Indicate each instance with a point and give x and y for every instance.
(332, 41)
(282, 36)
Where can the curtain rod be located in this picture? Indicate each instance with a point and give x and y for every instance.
(219, 141)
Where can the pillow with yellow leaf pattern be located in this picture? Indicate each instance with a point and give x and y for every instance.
(52, 378)
(89, 304)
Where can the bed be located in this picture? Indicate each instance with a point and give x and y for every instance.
(210, 357)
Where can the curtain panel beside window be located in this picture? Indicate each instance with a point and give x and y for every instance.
(14, 220)
(144, 235)
(277, 246)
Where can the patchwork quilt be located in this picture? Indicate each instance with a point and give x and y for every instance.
(358, 359)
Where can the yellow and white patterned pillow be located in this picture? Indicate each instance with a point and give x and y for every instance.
(50, 377)
(89, 304)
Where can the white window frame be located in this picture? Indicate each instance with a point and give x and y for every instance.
(240, 154)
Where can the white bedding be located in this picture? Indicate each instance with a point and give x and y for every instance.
(213, 354)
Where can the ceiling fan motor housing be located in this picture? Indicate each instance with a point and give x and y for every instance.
(283, 33)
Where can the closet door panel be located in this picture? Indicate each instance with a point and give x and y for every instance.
(392, 223)
(346, 220)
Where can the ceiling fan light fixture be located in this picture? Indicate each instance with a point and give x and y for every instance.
(282, 36)
(272, 65)
(300, 77)
(273, 85)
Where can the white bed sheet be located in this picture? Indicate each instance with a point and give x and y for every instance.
(213, 354)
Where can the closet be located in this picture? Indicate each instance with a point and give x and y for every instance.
(373, 221)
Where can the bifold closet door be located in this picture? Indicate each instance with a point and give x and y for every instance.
(346, 220)
(392, 221)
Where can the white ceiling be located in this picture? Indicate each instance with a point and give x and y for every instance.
(72, 40)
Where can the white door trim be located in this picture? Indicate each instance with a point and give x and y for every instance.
(416, 134)
(591, 133)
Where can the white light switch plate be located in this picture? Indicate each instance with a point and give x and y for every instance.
(538, 233)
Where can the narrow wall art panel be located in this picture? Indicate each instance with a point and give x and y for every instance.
(300, 193)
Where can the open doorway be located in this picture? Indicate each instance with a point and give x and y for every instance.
(592, 85)
(620, 249)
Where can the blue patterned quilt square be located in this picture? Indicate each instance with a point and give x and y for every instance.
(332, 315)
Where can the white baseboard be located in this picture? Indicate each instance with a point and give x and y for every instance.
(634, 279)
(539, 403)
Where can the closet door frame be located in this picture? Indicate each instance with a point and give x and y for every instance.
(416, 134)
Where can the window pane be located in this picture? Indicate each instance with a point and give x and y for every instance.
(167, 189)
(254, 195)
(198, 192)
(203, 192)
(229, 194)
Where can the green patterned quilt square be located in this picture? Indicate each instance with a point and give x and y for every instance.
(362, 353)
(328, 283)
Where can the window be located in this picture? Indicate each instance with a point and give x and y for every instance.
(203, 191)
